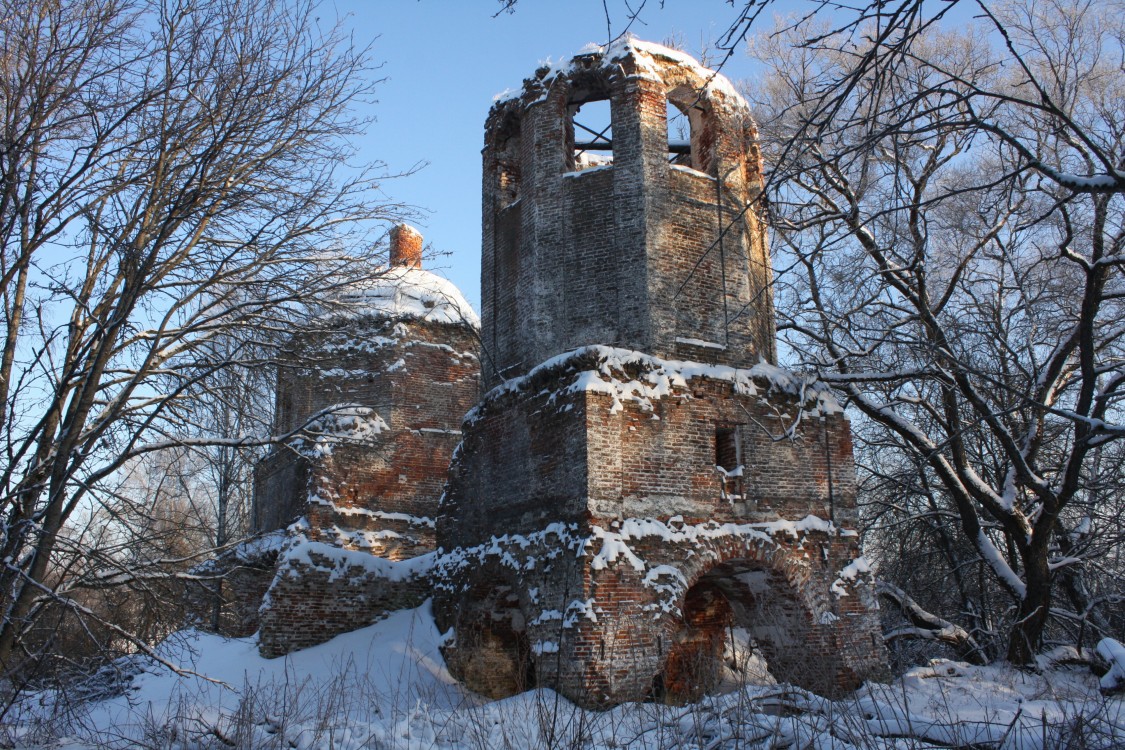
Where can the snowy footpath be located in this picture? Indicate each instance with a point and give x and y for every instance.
(386, 687)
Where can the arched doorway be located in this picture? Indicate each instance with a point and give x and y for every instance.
(741, 623)
(490, 651)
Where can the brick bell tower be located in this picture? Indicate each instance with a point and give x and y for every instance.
(615, 213)
(639, 481)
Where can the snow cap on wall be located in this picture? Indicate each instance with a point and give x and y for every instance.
(647, 58)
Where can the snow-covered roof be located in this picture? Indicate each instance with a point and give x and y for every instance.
(404, 292)
(649, 58)
(646, 54)
(627, 375)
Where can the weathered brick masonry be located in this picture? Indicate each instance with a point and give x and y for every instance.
(618, 529)
(611, 514)
(377, 402)
(225, 593)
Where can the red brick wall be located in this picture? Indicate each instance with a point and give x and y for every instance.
(237, 583)
(661, 461)
(420, 378)
(380, 496)
(311, 604)
(603, 633)
(546, 454)
(554, 465)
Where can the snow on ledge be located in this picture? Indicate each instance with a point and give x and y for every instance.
(675, 531)
(700, 343)
(340, 563)
(609, 547)
(852, 572)
(255, 548)
(693, 171)
(345, 562)
(342, 424)
(658, 378)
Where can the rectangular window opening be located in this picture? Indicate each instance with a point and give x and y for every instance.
(728, 462)
(728, 447)
(591, 125)
(679, 135)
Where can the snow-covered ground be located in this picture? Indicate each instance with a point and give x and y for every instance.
(386, 686)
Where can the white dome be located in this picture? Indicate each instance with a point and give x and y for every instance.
(404, 292)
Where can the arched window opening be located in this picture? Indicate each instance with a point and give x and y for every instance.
(590, 132)
(679, 135)
(507, 165)
(689, 130)
(728, 451)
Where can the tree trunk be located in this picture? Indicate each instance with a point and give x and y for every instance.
(1027, 633)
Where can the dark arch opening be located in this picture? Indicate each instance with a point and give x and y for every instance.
(491, 653)
(506, 162)
(742, 623)
(695, 655)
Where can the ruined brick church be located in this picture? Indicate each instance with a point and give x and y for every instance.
(634, 478)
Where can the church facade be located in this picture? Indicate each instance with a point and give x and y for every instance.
(636, 480)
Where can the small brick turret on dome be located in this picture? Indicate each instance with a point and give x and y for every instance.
(406, 246)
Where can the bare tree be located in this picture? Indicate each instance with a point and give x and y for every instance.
(173, 194)
(950, 225)
(238, 402)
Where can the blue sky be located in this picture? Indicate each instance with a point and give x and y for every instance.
(445, 60)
